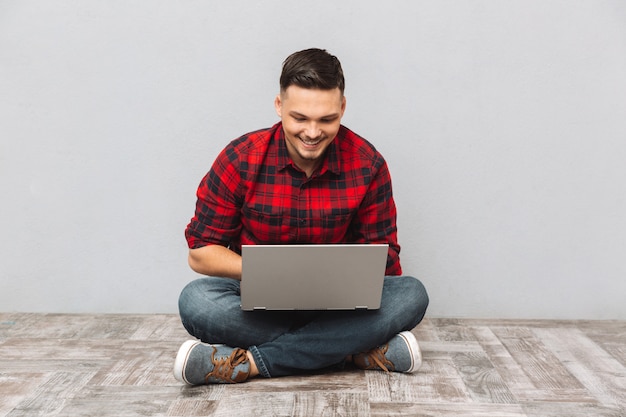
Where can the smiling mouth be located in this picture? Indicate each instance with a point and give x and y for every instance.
(311, 143)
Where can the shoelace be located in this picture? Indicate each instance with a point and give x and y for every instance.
(376, 357)
(224, 366)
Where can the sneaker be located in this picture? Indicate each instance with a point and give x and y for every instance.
(199, 363)
(400, 354)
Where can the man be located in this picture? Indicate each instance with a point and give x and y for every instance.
(307, 179)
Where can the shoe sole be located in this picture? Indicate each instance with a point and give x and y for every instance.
(181, 360)
(414, 350)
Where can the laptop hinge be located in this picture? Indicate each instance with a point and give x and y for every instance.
(361, 307)
(259, 308)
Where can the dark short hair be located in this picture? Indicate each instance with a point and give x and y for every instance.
(312, 68)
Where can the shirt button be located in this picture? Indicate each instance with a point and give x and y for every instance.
(302, 222)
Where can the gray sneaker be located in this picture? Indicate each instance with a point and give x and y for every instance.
(199, 363)
(400, 354)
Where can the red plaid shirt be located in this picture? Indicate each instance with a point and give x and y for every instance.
(254, 194)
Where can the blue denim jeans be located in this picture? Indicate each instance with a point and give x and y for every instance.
(288, 342)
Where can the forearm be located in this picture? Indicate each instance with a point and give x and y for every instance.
(215, 260)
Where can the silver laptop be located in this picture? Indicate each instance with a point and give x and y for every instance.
(313, 277)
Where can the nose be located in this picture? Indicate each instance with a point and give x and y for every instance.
(312, 130)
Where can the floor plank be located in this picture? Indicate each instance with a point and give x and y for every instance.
(120, 365)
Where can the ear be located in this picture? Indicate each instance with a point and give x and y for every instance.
(343, 105)
(278, 105)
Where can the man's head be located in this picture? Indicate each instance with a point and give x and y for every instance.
(310, 105)
(312, 69)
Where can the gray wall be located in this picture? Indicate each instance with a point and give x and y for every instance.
(503, 122)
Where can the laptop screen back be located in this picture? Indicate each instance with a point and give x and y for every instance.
(312, 277)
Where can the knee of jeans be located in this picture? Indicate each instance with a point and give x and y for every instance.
(187, 307)
(417, 297)
(184, 298)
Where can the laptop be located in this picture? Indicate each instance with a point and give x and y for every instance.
(313, 277)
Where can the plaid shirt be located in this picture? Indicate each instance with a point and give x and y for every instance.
(254, 194)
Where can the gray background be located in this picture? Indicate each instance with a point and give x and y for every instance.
(503, 122)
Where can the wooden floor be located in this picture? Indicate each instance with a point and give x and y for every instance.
(120, 365)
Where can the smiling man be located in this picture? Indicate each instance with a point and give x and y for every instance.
(307, 179)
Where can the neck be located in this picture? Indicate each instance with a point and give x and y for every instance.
(308, 168)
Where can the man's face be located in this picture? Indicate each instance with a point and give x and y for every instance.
(311, 120)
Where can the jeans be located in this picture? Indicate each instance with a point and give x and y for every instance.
(290, 342)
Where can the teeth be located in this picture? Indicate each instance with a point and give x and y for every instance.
(311, 143)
